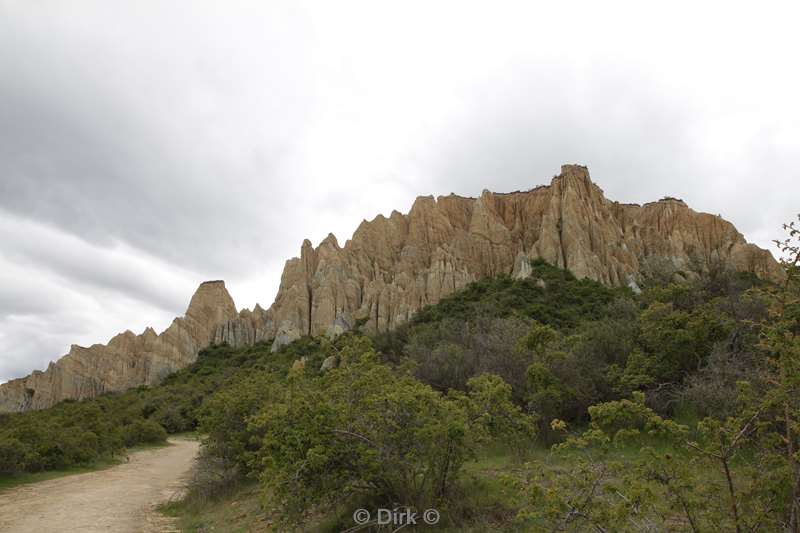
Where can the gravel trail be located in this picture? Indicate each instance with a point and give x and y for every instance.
(118, 499)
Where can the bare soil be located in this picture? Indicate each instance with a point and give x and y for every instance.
(121, 499)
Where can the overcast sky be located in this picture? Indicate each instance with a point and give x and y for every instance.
(148, 146)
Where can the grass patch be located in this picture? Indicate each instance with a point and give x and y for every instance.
(10, 482)
(240, 511)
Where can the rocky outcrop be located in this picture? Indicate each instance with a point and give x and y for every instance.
(394, 266)
(286, 334)
(128, 360)
(329, 363)
(246, 329)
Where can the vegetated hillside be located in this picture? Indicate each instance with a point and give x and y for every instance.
(81, 432)
(669, 392)
(78, 432)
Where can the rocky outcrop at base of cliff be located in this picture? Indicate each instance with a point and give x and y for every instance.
(246, 329)
(128, 360)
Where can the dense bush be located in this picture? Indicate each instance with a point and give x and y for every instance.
(449, 352)
(365, 434)
(225, 417)
(550, 295)
(212, 477)
(565, 344)
(12, 456)
(143, 431)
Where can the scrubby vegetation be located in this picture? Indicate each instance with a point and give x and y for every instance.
(79, 433)
(543, 404)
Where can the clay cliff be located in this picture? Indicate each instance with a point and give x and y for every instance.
(394, 266)
(128, 360)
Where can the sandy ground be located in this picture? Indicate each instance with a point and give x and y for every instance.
(119, 499)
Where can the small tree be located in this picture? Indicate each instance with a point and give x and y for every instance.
(783, 345)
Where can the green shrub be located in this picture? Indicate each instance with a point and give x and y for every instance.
(365, 433)
(143, 432)
(550, 295)
(12, 456)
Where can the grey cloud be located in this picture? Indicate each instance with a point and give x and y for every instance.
(29, 342)
(25, 349)
(516, 133)
(87, 178)
(15, 300)
(89, 157)
(81, 266)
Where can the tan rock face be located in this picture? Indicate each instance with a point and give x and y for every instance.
(246, 329)
(394, 266)
(128, 360)
(286, 334)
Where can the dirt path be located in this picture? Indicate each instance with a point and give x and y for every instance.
(119, 499)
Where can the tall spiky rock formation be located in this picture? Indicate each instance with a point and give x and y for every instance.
(127, 360)
(394, 266)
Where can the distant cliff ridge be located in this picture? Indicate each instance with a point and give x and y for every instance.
(127, 360)
(394, 266)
